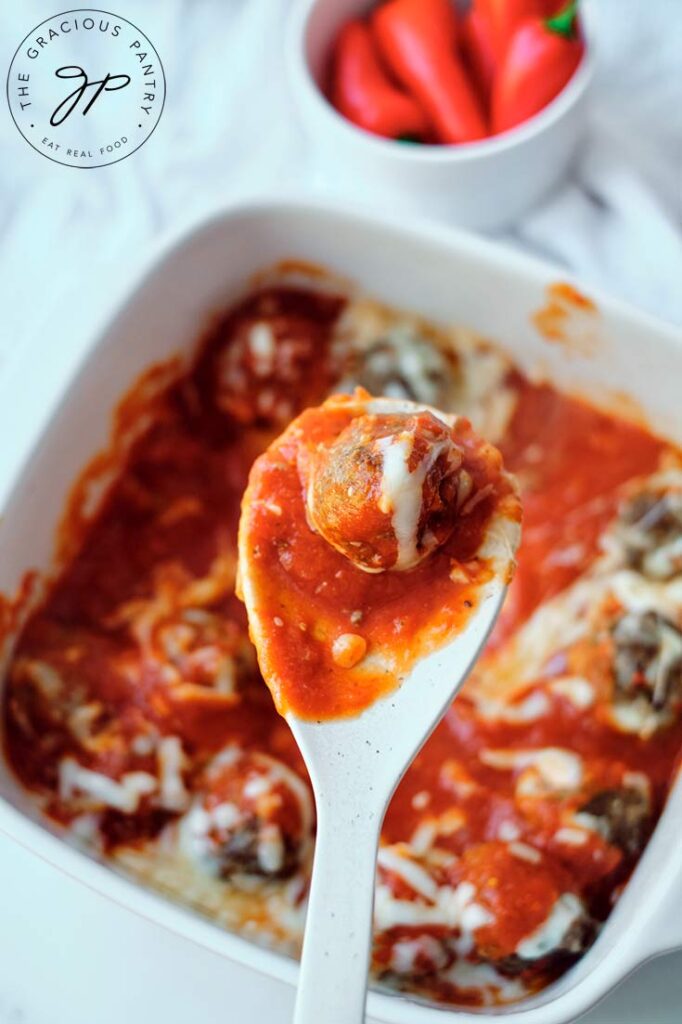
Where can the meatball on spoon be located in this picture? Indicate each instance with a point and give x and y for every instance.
(376, 542)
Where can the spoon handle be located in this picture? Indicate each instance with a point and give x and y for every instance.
(332, 983)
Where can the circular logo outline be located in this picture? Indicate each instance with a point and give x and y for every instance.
(62, 14)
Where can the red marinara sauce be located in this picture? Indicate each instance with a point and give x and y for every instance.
(570, 460)
(136, 627)
(314, 614)
(161, 551)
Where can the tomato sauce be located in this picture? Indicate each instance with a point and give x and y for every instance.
(570, 460)
(141, 634)
(305, 594)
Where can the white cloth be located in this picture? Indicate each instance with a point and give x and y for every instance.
(230, 127)
(618, 221)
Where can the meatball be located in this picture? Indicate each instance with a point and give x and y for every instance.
(385, 492)
(531, 916)
(271, 357)
(622, 816)
(254, 817)
(503, 904)
(403, 364)
(650, 530)
(648, 659)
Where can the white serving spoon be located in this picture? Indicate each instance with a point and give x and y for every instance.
(355, 765)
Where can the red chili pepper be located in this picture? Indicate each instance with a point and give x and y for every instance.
(541, 58)
(478, 47)
(418, 41)
(502, 17)
(363, 92)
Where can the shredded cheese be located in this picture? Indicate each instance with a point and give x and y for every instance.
(406, 955)
(534, 706)
(402, 492)
(550, 769)
(270, 849)
(412, 873)
(549, 936)
(450, 906)
(123, 795)
(508, 832)
(522, 851)
(173, 794)
(485, 980)
(575, 689)
(568, 836)
(262, 347)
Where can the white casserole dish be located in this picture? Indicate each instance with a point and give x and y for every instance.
(62, 417)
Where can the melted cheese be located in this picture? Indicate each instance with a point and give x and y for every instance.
(456, 778)
(484, 397)
(408, 870)
(552, 932)
(224, 816)
(637, 716)
(508, 832)
(550, 769)
(428, 831)
(84, 831)
(577, 690)
(421, 800)
(638, 781)
(173, 794)
(123, 795)
(402, 492)
(665, 560)
(202, 849)
(42, 676)
(195, 829)
(522, 851)
(445, 905)
(270, 849)
(257, 786)
(568, 836)
(262, 347)
(407, 955)
(472, 917)
(451, 908)
(637, 594)
(281, 774)
(401, 496)
(280, 911)
(484, 979)
(535, 705)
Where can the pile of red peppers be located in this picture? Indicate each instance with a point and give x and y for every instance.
(417, 71)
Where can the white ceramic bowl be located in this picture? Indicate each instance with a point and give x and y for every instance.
(55, 413)
(484, 185)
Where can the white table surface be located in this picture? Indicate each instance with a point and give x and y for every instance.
(70, 956)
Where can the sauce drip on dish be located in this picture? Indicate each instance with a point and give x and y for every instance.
(135, 711)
